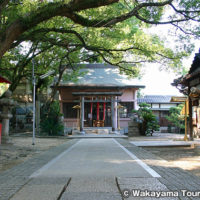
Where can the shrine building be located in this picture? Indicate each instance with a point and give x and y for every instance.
(100, 97)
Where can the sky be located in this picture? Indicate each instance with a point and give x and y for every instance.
(159, 82)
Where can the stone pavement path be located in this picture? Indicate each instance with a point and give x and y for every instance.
(97, 169)
(175, 179)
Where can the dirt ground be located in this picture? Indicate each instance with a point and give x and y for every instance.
(20, 149)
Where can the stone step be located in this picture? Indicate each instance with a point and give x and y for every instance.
(97, 131)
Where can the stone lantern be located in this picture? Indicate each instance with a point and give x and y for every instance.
(6, 103)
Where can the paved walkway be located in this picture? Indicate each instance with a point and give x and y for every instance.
(95, 169)
(166, 143)
(96, 136)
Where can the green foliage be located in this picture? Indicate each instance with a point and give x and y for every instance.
(61, 38)
(148, 122)
(175, 116)
(51, 119)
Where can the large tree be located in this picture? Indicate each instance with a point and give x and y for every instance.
(61, 33)
(19, 18)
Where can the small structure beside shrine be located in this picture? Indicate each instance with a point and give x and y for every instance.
(160, 106)
(101, 97)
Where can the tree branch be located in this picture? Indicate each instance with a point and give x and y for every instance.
(25, 23)
(185, 13)
(3, 4)
(66, 43)
(72, 10)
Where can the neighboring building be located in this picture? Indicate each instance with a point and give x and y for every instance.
(190, 84)
(160, 105)
(100, 94)
(23, 111)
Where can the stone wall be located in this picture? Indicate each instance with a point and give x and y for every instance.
(133, 129)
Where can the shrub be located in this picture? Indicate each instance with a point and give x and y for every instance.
(51, 119)
(176, 118)
(148, 122)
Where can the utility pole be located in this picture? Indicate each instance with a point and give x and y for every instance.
(34, 83)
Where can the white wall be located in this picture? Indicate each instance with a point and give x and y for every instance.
(155, 105)
(167, 105)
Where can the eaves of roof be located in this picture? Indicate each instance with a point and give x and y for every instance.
(160, 109)
(159, 102)
(99, 86)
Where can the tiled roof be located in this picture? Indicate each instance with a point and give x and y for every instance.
(193, 72)
(195, 64)
(155, 99)
(3, 80)
(103, 75)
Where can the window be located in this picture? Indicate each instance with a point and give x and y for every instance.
(69, 111)
(164, 113)
(126, 111)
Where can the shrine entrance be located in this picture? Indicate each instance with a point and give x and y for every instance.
(98, 109)
(97, 114)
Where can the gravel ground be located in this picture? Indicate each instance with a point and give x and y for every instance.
(20, 149)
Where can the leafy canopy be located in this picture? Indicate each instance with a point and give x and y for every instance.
(65, 32)
(148, 123)
(175, 116)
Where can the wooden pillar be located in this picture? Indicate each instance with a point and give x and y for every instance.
(97, 110)
(91, 106)
(104, 109)
(190, 119)
(135, 105)
(82, 114)
(186, 124)
(113, 113)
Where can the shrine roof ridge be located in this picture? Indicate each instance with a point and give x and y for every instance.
(102, 75)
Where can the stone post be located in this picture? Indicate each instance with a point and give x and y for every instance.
(6, 102)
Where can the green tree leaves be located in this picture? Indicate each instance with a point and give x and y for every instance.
(148, 123)
(113, 31)
(175, 116)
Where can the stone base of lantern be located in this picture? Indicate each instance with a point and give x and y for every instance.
(5, 139)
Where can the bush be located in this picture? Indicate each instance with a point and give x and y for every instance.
(176, 118)
(148, 122)
(51, 119)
